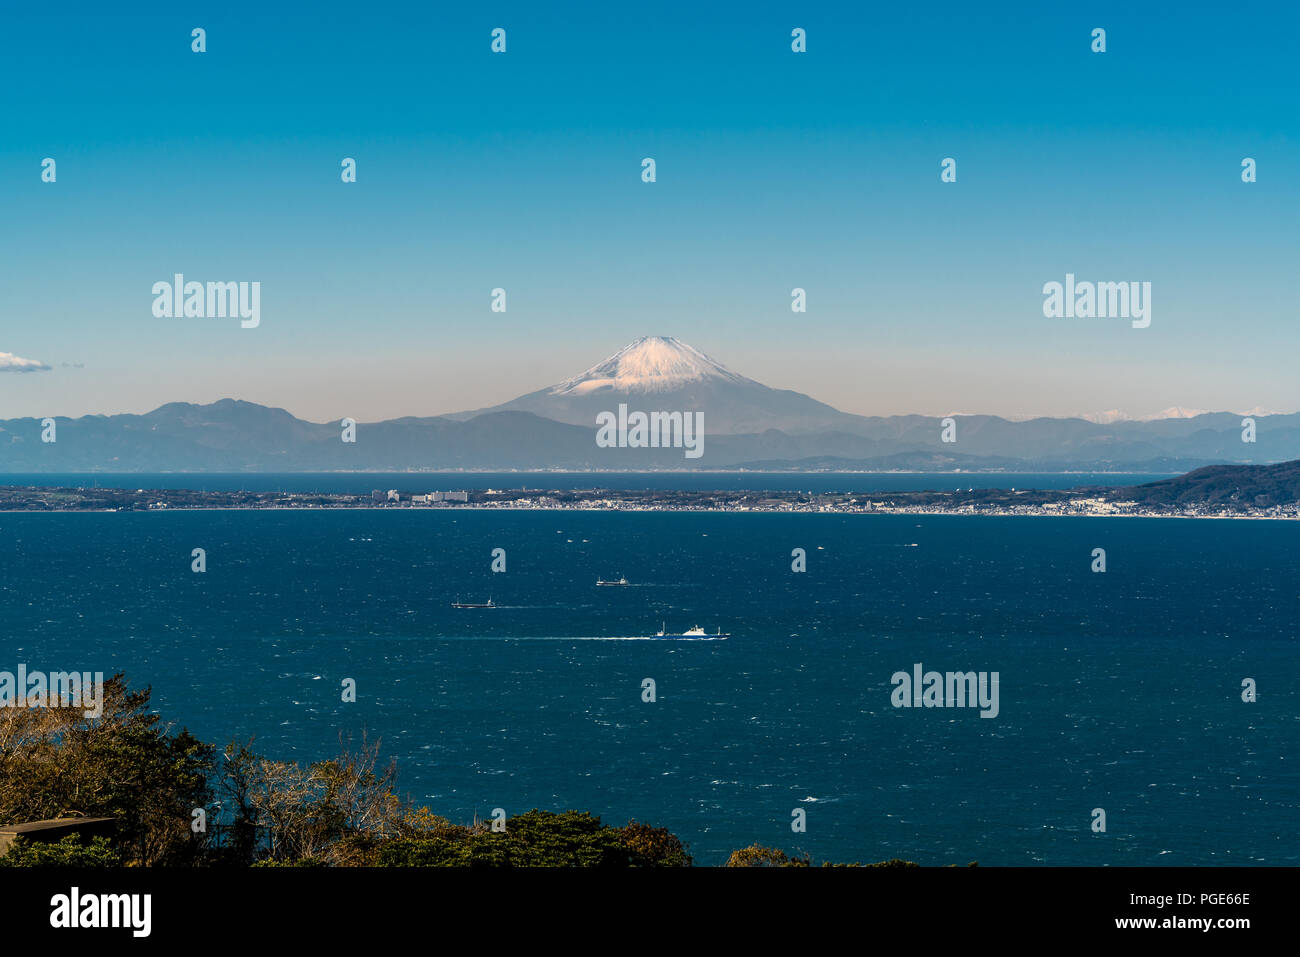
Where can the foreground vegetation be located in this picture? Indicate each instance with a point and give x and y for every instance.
(180, 802)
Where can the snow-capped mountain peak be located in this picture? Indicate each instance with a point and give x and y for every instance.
(649, 364)
(664, 374)
(1173, 412)
(1177, 412)
(1109, 417)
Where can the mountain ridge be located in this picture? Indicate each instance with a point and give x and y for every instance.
(1257, 486)
(662, 373)
(236, 435)
(745, 425)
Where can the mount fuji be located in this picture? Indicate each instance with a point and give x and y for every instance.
(748, 426)
(661, 373)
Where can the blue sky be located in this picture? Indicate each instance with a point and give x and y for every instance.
(775, 170)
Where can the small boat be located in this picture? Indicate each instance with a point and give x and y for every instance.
(694, 632)
(621, 581)
(473, 604)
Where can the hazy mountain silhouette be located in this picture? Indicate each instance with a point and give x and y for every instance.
(746, 425)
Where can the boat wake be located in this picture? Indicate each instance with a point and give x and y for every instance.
(580, 637)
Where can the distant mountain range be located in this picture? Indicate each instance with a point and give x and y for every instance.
(746, 425)
(1174, 412)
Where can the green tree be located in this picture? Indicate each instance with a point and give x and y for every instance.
(653, 846)
(125, 764)
(534, 839)
(756, 855)
(71, 851)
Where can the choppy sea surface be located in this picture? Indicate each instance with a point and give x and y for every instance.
(1120, 691)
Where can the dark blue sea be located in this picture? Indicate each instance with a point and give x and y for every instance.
(1119, 691)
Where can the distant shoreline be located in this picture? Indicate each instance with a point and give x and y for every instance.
(951, 513)
(1087, 502)
(491, 471)
(1259, 492)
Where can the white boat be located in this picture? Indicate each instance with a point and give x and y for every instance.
(694, 632)
(621, 581)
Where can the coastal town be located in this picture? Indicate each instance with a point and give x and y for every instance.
(1091, 501)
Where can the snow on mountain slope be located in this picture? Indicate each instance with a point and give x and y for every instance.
(661, 373)
(1173, 412)
(650, 364)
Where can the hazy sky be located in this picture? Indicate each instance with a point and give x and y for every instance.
(523, 170)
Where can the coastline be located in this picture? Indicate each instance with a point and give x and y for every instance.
(949, 513)
(1272, 498)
